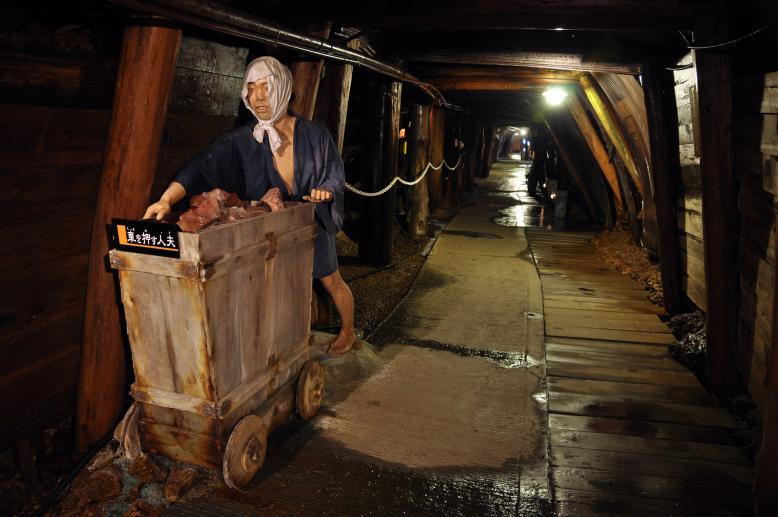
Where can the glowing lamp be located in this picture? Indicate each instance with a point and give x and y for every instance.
(555, 96)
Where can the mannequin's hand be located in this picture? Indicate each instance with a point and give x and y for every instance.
(318, 195)
(158, 210)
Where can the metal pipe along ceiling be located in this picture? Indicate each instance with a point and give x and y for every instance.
(217, 18)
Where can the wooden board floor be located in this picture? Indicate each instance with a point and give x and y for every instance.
(631, 431)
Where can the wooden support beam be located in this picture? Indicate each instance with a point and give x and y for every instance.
(435, 177)
(472, 146)
(307, 75)
(453, 179)
(547, 60)
(598, 150)
(143, 84)
(658, 87)
(628, 102)
(332, 99)
(492, 142)
(719, 201)
(610, 123)
(380, 167)
(418, 153)
(486, 147)
(767, 460)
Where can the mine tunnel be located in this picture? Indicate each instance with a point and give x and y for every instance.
(435, 258)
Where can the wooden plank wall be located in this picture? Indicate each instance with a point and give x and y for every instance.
(755, 121)
(690, 191)
(52, 139)
(204, 103)
(755, 100)
(53, 150)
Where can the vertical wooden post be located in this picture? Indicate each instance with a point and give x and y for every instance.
(489, 146)
(417, 159)
(143, 86)
(598, 150)
(473, 144)
(451, 152)
(307, 75)
(437, 135)
(719, 203)
(658, 87)
(767, 460)
(461, 150)
(380, 167)
(332, 99)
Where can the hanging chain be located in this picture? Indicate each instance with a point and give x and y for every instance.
(404, 182)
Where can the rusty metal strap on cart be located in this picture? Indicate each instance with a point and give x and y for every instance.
(222, 407)
(272, 245)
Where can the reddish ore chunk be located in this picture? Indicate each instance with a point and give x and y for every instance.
(235, 213)
(209, 210)
(196, 200)
(100, 485)
(233, 200)
(218, 206)
(273, 199)
(179, 481)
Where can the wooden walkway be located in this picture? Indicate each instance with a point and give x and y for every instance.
(631, 431)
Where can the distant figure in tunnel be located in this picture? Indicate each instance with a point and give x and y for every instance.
(280, 156)
(538, 167)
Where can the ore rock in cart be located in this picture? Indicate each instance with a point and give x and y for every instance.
(221, 340)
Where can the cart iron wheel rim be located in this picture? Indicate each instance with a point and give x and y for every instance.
(310, 389)
(245, 452)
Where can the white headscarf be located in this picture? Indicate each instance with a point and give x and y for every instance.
(279, 84)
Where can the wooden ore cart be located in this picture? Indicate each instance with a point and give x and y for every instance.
(220, 340)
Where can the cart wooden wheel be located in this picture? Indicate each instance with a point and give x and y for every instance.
(245, 452)
(310, 388)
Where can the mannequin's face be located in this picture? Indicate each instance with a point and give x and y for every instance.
(258, 98)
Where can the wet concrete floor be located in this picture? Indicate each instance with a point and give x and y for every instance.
(445, 412)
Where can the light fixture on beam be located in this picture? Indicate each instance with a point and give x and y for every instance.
(523, 131)
(555, 96)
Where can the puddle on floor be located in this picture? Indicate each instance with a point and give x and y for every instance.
(520, 216)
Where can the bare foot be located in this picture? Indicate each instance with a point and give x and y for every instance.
(341, 345)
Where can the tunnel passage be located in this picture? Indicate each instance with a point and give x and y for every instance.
(662, 108)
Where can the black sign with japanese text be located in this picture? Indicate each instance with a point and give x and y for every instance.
(149, 237)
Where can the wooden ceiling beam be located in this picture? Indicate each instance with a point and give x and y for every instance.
(453, 70)
(469, 78)
(491, 84)
(547, 60)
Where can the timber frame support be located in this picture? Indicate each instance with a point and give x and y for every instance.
(380, 167)
(719, 201)
(143, 85)
(665, 165)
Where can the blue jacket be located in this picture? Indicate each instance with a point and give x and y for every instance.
(236, 162)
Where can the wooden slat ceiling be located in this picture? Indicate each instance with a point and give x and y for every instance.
(481, 54)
